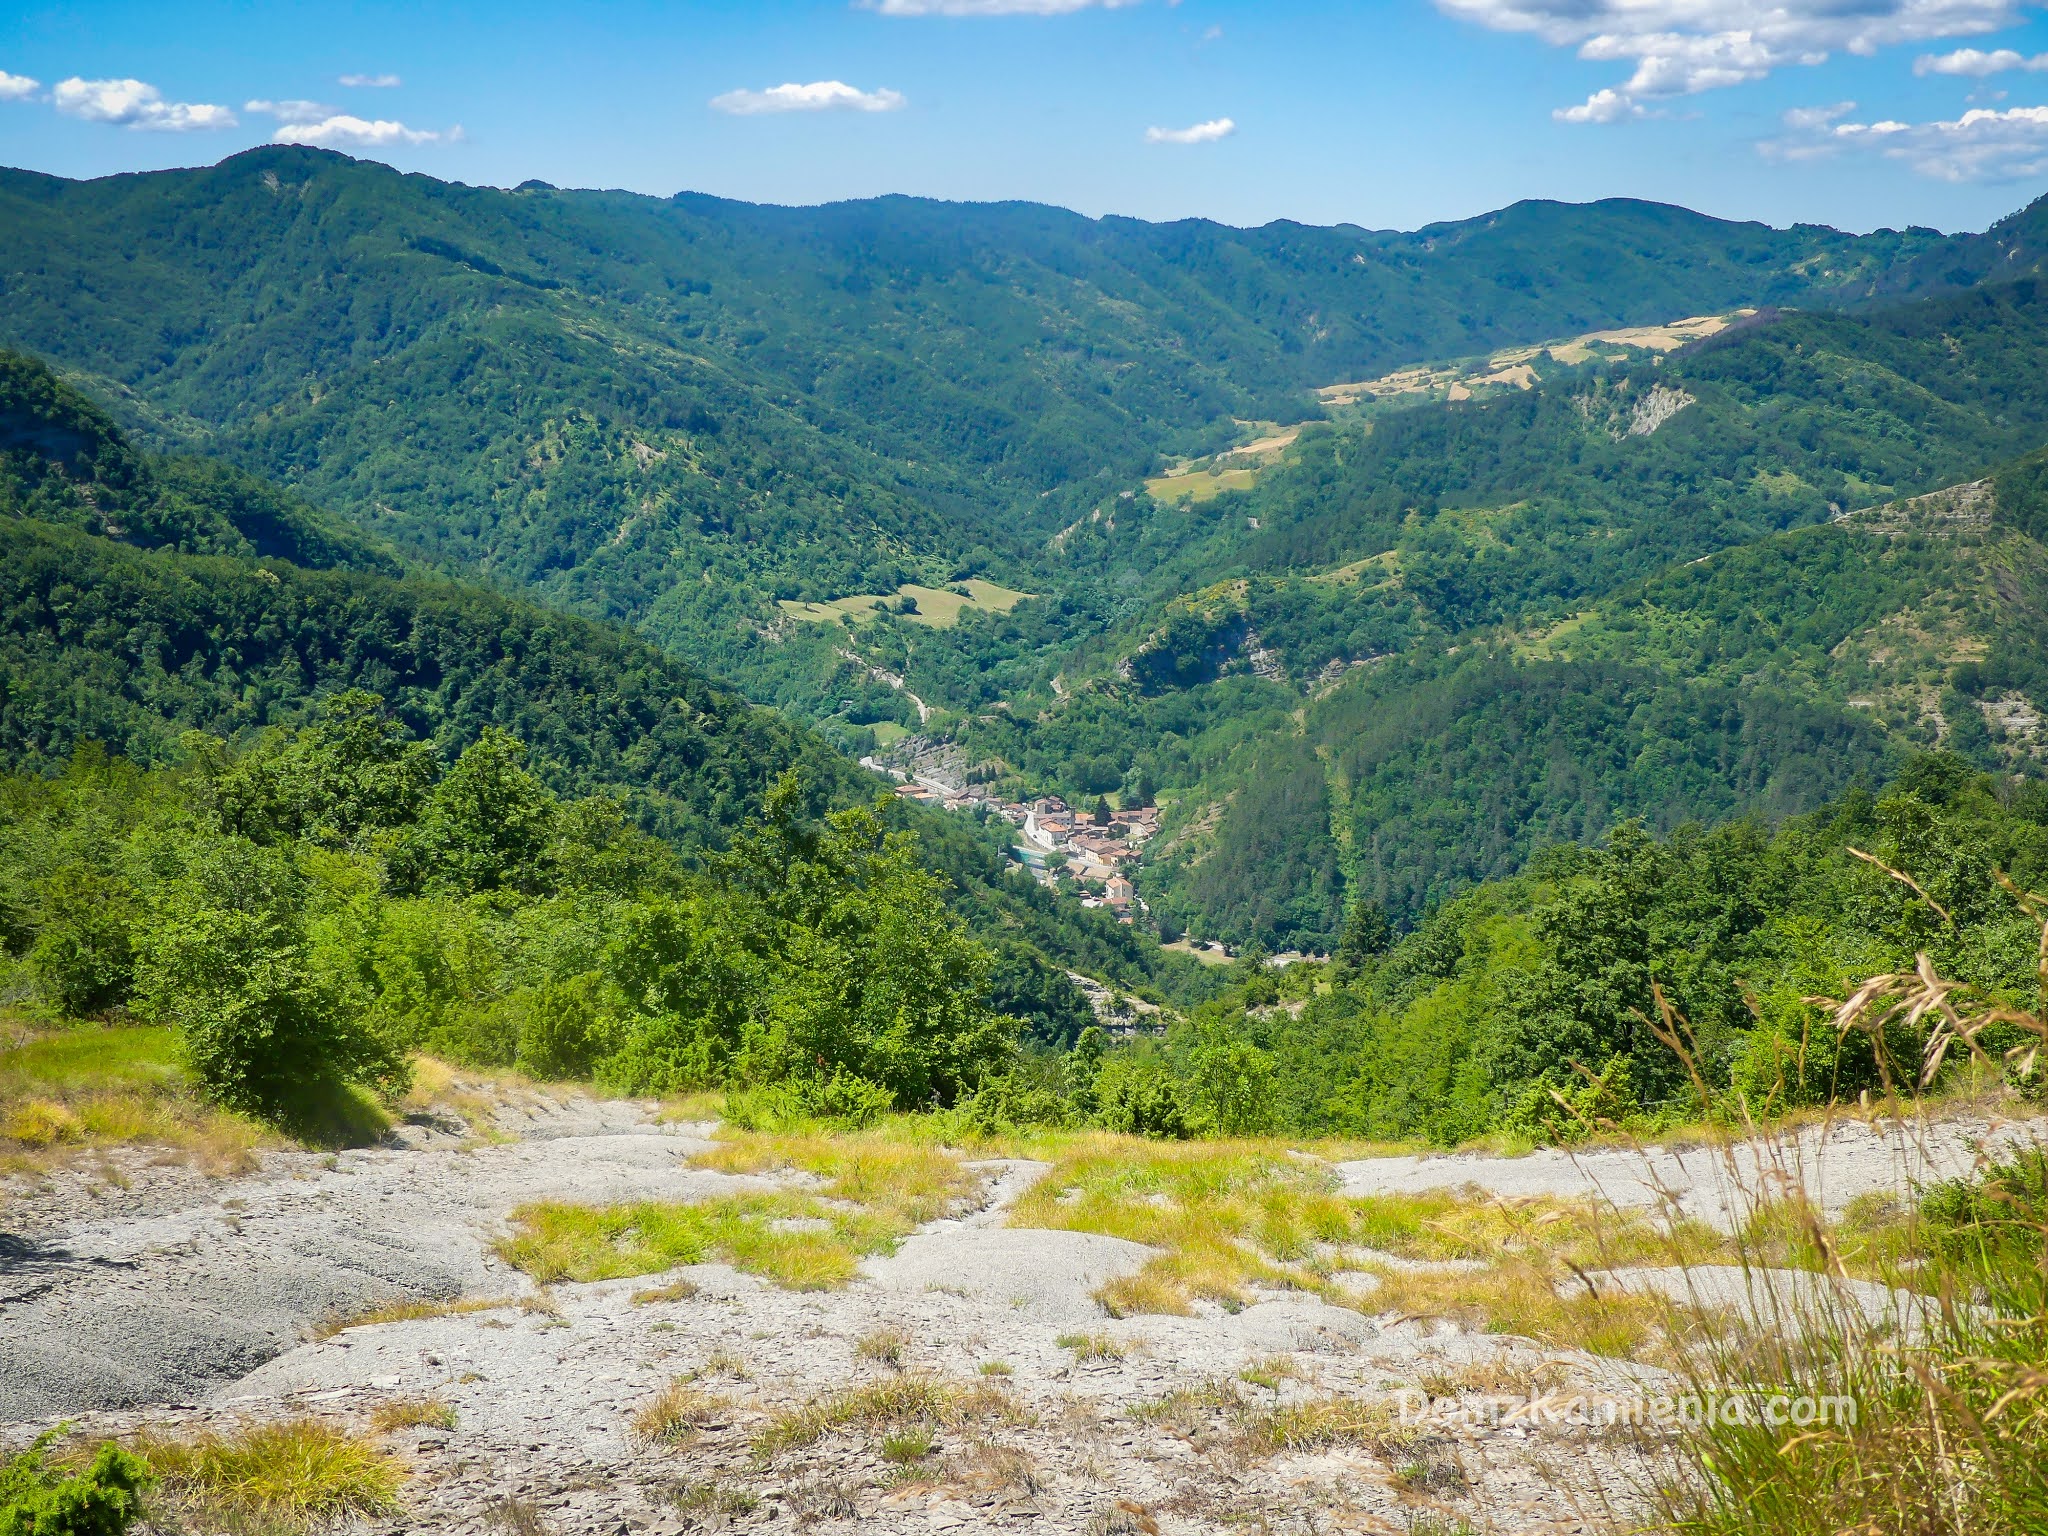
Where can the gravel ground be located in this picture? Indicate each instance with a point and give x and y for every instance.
(1832, 1165)
(181, 1302)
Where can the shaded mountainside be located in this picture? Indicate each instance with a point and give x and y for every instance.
(130, 641)
(1765, 680)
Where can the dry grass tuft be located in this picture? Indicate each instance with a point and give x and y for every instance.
(412, 1413)
(891, 1405)
(1092, 1346)
(885, 1346)
(674, 1417)
(419, 1311)
(675, 1290)
(1323, 1423)
(301, 1472)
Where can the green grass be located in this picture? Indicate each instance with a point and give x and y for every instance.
(870, 1192)
(87, 1085)
(1201, 486)
(1231, 1218)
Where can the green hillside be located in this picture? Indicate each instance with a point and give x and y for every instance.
(113, 634)
(1458, 666)
(675, 412)
(1385, 662)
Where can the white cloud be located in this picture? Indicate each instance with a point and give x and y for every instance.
(135, 104)
(991, 7)
(818, 96)
(17, 87)
(371, 82)
(1200, 133)
(1804, 119)
(1604, 106)
(341, 130)
(291, 111)
(1682, 47)
(1977, 63)
(1981, 145)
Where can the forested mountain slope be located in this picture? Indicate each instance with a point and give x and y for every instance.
(1426, 658)
(673, 412)
(111, 632)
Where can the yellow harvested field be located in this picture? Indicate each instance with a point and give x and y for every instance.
(1510, 368)
(1649, 338)
(1203, 485)
(937, 607)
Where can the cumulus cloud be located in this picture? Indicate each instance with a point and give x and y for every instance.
(1604, 106)
(291, 111)
(1200, 133)
(342, 130)
(371, 82)
(818, 96)
(1682, 47)
(1982, 145)
(135, 104)
(17, 87)
(991, 7)
(1977, 63)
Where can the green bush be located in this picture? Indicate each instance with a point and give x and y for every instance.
(83, 957)
(1137, 1094)
(103, 1500)
(1588, 1105)
(227, 961)
(847, 1103)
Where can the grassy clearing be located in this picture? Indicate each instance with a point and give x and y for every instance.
(937, 607)
(864, 1194)
(1200, 486)
(85, 1087)
(298, 1473)
(893, 1407)
(1232, 1218)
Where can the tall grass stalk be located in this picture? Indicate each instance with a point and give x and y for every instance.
(1947, 1366)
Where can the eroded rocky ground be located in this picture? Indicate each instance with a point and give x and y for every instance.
(182, 1303)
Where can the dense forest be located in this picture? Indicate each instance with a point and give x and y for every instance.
(1530, 1006)
(1419, 644)
(113, 637)
(310, 912)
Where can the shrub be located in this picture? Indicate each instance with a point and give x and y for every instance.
(83, 957)
(558, 1029)
(849, 1102)
(228, 963)
(1138, 1095)
(103, 1500)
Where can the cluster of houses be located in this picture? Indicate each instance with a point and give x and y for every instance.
(1053, 836)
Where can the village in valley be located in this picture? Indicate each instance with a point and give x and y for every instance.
(1098, 848)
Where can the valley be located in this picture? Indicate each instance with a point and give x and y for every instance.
(679, 865)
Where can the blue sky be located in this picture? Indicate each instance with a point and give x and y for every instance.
(1388, 113)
